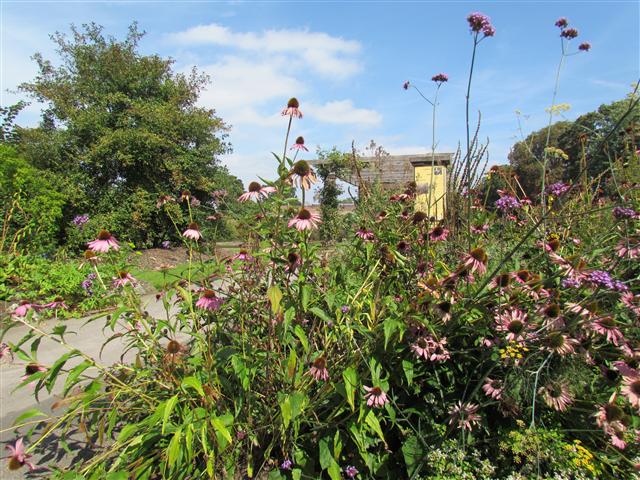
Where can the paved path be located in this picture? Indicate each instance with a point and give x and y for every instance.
(89, 339)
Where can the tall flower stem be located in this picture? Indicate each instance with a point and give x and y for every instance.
(286, 141)
(545, 156)
(466, 180)
(433, 146)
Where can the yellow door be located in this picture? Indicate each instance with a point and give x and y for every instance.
(431, 190)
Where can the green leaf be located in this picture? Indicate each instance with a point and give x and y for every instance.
(299, 331)
(351, 383)
(414, 453)
(55, 369)
(285, 409)
(327, 462)
(219, 427)
(407, 366)
(275, 475)
(127, 431)
(171, 403)
(74, 374)
(119, 475)
(318, 312)
(306, 296)
(241, 371)
(34, 347)
(193, 382)
(34, 412)
(373, 423)
(275, 296)
(390, 326)
(291, 365)
(325, 454)
(173, 450)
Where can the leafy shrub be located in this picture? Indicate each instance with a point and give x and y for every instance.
(32, 205)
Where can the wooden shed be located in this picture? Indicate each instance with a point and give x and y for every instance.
(393, 172)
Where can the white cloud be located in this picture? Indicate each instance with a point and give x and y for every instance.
(318, 51)
(240, 87)
(343, 112)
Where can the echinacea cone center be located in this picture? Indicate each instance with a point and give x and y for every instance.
(31, 369)
(516, 326)
(293, 103)
(301, 168)
(304, 214)
(555, 340)
(173, 347)
(292, 257)
(104, 235)
(479, 255)
(613, 412)
(254, 187)
(552, 311)
(15, 464)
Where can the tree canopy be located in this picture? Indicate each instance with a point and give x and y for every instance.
(125, 128)
(586, 149)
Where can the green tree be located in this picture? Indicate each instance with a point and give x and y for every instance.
(334, 165)
(592, 143)
(126, 128)
(526, 158)
(586, 137)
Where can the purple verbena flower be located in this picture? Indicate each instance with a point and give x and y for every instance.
(557, 189)
(440, 78)
(286, 465)
(80, 220)
(345, 308)
(351, 471)
(86, 284)
(570, 282)
(405, 85)
(507, 202)
(601, 279)
(584, 47)
(569, 33)
(166, 244)
(479, 22)
(625, 212)
(620, 286)
(562, 22)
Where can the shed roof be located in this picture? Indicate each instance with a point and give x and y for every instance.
(391, 171)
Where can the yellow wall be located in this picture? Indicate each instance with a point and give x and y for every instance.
(423, 179)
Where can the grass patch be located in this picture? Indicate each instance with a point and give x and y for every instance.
(160, 279)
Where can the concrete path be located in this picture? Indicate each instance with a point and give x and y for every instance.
(89, 339)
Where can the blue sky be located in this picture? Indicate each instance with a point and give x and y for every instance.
(347, 61)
